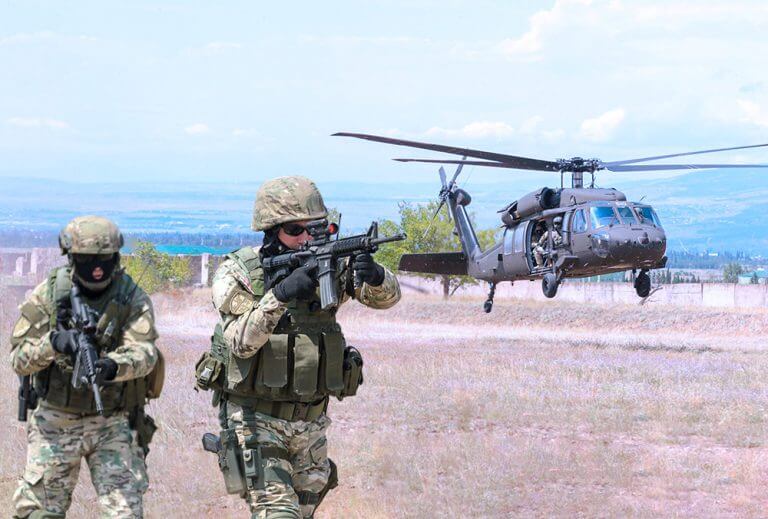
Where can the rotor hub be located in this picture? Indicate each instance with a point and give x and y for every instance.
(579, 165)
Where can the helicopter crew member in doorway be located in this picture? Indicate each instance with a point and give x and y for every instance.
(540, 249)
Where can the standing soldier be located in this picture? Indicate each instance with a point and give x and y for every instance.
(65, 425)
(276, 358)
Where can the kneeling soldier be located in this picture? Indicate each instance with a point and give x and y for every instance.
(276, 357)
(49, 340)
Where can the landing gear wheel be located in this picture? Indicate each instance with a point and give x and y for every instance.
(643, 284)
(488, 305)
(549, 285)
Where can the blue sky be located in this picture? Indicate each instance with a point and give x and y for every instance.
(138, 91)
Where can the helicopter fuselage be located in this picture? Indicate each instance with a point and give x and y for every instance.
(586, 232)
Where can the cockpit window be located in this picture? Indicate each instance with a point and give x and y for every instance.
(648, 215)
(601, 216)
(626, 214)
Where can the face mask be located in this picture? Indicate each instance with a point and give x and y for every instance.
(94, 271)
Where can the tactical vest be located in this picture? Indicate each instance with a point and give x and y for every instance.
(54, 384)
(301, 362)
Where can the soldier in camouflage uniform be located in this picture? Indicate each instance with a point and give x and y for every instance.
(65, 427)
(276, 358)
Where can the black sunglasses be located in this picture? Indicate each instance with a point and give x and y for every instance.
(86, 258)
(293, 229)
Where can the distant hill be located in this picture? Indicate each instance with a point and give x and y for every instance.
(703, 210)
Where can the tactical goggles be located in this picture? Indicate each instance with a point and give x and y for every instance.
(293, 229)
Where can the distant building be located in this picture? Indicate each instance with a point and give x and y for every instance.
(759, 276)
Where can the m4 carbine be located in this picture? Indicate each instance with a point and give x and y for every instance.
(321, 254)
(86, 354)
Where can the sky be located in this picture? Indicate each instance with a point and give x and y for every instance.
(197, 91)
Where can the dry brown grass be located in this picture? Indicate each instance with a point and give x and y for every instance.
(538, 410)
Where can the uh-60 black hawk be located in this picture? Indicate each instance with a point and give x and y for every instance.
(552, 234)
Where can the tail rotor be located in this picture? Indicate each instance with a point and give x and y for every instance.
(445, 191)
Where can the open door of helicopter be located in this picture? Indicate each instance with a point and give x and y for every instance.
(517, 258)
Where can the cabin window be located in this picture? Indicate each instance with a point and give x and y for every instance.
(579, 222)
(600, 216)
(627, 216)
(648, 215)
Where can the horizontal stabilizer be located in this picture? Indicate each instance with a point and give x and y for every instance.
(447, 263)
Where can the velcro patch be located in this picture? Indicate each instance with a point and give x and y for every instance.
(22, 326)
(240, 303)
(142, 325)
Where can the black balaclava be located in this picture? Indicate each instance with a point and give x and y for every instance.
(272, 246)
(93, 273)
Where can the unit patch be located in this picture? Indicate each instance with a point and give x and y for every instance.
(22, 326)
(142, 325)
(240, 303)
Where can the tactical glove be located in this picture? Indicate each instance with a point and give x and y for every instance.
(367, 270)
(64, 341)
(107, 369)
(298, 285)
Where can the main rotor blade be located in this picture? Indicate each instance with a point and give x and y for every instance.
(660, 167)
(463, 162)
(513, 160)
(658, 157)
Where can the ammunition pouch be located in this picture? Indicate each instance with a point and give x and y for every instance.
(208, 370)
(145, 428)
(352, 372)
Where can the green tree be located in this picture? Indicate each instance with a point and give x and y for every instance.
(731, 272)
(155, 271)
(424, 237)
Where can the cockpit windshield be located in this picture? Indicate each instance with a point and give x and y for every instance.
(627, 216)
(648, 215)
(600, 216)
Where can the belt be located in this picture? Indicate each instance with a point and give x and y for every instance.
(289, 411)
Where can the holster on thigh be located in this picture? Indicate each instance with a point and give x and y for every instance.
(44, 514)
(257, 470)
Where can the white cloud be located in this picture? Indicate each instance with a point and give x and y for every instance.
(474, 130)
(601, 128)
(540, 24)
(26, 37)
(753, 113)
(197, 129)
(38, 122)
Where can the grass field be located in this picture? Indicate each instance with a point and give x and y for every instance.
(536, 410)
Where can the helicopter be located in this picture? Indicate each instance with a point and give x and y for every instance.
(551, 234)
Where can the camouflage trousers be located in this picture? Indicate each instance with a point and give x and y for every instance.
(57, 441)
(302, 468)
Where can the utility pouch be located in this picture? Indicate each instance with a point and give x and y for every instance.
(353, 371)
(207, 372)
(230, 463)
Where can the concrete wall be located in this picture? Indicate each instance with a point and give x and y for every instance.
(682, 294)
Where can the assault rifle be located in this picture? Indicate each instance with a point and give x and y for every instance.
(321, 254)
(85, 371)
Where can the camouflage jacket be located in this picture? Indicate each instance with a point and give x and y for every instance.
(248, 320)
(135, 352)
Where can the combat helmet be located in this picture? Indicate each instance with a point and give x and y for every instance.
(287, 199)
(86, 240)
(90, 235)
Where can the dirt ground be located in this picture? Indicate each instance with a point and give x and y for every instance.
(549, 409)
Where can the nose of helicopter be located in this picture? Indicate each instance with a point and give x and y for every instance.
(630, 245)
